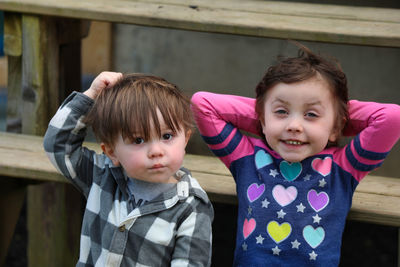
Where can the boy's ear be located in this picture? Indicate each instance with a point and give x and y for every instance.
(109, 151)
(188, 134)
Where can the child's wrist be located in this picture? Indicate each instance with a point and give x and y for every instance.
(90, 93)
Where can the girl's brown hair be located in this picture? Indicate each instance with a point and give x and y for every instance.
(303, 67)
(130, 106)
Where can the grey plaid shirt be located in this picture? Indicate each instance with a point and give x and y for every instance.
(174, 229)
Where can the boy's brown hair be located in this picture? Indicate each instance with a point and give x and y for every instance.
(129, 107)
(303, 67)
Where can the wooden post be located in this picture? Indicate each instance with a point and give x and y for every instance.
(36, 88)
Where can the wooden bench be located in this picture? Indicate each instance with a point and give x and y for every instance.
(376, 200)
(287, 20)
(42, 41)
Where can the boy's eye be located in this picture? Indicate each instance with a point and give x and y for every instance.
(167, 136)
(138, 140)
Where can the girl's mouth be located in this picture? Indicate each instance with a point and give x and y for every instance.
(293, 142)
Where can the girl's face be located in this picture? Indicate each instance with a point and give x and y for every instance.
(155, 160)
(299, 118)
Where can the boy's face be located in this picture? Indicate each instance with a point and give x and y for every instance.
(155, 160)
(299, 118)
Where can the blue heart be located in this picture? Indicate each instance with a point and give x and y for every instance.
(290, 170)
(262, 159)
(314, 237)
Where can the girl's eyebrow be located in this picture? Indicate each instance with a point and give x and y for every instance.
(315, 103)
(280, 101)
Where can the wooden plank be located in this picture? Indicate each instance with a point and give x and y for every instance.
(53, 209)
(376, 200)
(302, 21)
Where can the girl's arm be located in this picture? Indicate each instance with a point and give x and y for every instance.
(219, 119)
(376, 128)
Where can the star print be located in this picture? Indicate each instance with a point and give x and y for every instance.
(300, 208)
(244, 246)
(265, 203)
(295, 244)
(273, 172)
(317, 219)
(322, 182)
(249, 210)
(260, 239)
(276, 250)
(307, 177)
(281, 214)
(313, 255)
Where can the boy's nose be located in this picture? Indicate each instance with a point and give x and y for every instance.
(155, 150)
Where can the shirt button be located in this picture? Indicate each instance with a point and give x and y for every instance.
(121, 228)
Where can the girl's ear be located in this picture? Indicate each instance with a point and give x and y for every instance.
(109, 151)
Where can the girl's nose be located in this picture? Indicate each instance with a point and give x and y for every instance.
(294, 125)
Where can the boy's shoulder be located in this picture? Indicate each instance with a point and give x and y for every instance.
(188, 185)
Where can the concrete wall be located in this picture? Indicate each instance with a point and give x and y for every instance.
(234, 64)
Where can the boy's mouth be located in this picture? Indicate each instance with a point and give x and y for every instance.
(157, 166)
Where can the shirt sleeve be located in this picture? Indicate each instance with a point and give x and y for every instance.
(63, 142)
(376, 129)
(219, 118)
(194, 236)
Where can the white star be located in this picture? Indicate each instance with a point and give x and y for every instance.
(295, 244)
(322, 182)
(249, 210)
(273, 172)
(265, 203)
(307, 177)
(313, 255)
(281, 214)
(260, 239)
(300, 208)
(276, 250)
(316, 218)
(244, 246)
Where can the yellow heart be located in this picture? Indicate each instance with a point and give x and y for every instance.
(279, 232)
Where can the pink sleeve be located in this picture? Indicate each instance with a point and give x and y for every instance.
(376, 128)
(218, 119)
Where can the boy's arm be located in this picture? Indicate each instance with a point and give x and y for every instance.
(65, 134)
(194, 237)
(219, 119)
(376, 128)
(64, 137)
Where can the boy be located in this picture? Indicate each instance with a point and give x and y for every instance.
(142, 208)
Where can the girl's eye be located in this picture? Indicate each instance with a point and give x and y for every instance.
(167, 136)
(280, 112)
(311, 114)
(138, 140)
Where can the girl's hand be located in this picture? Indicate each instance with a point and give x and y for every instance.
(104, 80)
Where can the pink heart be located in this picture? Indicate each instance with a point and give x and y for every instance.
(322, 166)
(248, 227)
(255, 191)
(284, 196)
(318, 201)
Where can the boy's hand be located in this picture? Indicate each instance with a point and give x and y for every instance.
(104, 80)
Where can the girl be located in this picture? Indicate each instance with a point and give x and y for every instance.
(295, 185)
